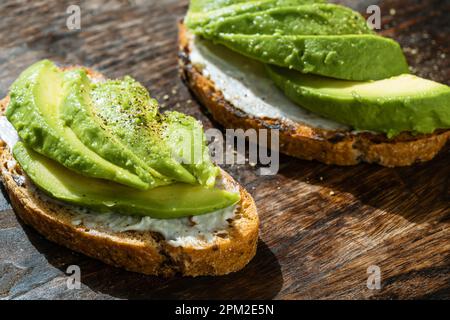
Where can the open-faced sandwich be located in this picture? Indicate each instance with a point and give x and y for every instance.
(338, 92)
(93, 165)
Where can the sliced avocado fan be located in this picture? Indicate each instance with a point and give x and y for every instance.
(326, 59)
(35, 112)
(109, 129)
(79, 114)
(393, 105)
(104, 145)
(322, 39)
(164, 202)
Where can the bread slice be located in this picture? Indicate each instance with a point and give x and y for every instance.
(303, 141)
(139, 251)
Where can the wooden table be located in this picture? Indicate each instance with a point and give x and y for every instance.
(321, 226)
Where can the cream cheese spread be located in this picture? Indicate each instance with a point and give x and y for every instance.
(244, 83)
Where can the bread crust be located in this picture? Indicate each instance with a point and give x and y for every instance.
(138, 251)
(305, 142)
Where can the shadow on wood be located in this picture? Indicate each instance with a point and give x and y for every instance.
(419, 193)
(260, 279)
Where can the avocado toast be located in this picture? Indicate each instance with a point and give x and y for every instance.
(302, 68)
(179, 218)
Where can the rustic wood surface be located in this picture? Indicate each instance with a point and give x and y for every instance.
(321, 226)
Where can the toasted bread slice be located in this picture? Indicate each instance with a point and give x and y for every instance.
(340, 147)
(145, 252)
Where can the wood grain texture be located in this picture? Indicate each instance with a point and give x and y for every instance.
(321, 226)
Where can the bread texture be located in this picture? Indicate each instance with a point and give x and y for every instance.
(306, 142)
(145, 252)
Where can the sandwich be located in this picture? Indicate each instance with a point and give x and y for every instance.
(92, 164)
(336, 91)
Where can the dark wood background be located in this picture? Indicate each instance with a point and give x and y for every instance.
(313, 244)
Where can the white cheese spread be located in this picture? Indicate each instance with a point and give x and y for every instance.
(244, 83)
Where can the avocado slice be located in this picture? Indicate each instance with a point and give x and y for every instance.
(35, 112)
(79, 114)
(130, 115)
(179, 133)
(165, 202)
(350, 57)
(394, 105)
(184, 136)
(207, 5)
(202, 12)
(317, 38)
(317, 19)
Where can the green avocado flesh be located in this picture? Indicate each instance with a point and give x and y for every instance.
(78, 113)
(322, 19)
(139, 126)
(370, 56)
(208, 5)
(35, 112)
(316, 38)
(203, 12)
(394, 105)
(104, 144)
(165, 202)
(327, 60)
(181, 130)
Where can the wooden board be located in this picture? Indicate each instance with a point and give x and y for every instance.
(321, 226)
